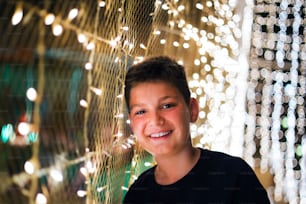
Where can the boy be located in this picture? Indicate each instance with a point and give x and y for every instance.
(160, 111)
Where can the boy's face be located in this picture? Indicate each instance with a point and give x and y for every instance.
(160, 117)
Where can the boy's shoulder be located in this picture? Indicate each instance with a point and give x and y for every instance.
(222, 160)
(212, 154)
(146, 177)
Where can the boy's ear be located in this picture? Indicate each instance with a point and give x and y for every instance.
(194, 109)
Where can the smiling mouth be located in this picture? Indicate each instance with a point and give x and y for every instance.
(160, 134)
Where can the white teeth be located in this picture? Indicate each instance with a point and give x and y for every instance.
(160, 134)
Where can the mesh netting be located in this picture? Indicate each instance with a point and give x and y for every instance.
(65, 136)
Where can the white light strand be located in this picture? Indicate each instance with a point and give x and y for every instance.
(291, 182)
(302, 184)
(239, 119)
(276, 155)
(251, 117)
(265, 121)
(280, 53)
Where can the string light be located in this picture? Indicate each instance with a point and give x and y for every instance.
(88, 66)
(84, 103)
(143, 46)
(82, 38)
(90, 46)
(57, 29)
(102, 3)
(73, 13)
(18, 15)
(31, 94)
(218, 93)
(97, 91)
(40, 199)
(81, 193)
(49, 19)
(29, 167)
(24, 128)
(56, 175)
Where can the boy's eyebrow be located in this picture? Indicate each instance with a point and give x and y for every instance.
(161, 99)
(167, 97)
(135, 106)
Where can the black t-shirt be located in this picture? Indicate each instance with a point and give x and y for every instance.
(216, 178)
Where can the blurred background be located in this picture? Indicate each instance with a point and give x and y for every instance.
(65, 136)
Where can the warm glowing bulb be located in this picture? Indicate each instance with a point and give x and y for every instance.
(84, 103)
(23, 128)
(120, 115)
(49, 19)
(186, 45)
(202, 114)
(165, 6)
(96, 91)
(83, 170)
(102, 3)
(143, 46)
(124, 188)
(162, 41)
(209, 4)
(90, 167)
(156, 32)
(199, 6)
(180, 62)
(180, 7)
(197, 62)
(82, 38)
(31, 94)
(73, 13)
(131, 46)
(29, 167)
(18, 15)
(88, 66)
(90, 46)
(57, 29)
(113, 43)
(176, 44)
(81, 193)
(40, 199)
(147, 164)
(56, 175)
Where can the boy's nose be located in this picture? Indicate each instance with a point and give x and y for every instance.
(157, 118)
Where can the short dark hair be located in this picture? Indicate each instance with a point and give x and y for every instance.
(154, 69)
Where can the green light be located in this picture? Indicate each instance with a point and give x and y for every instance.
(33, 136)
(285, 122)
(299, 151)
(6, 132)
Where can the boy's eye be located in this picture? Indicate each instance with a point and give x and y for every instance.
(168, 105)
(139, 112)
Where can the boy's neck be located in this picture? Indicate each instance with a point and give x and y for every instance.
(171, 169)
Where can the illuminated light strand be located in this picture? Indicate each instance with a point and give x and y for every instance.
(280, 54)
(265, 120)
(287, 175)
(203, 43)
(250, 118)
(302, 153)
(302, 184)
(291, 181)
(276, 155)
(252, 112)
(18, 14)
(240, 87)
